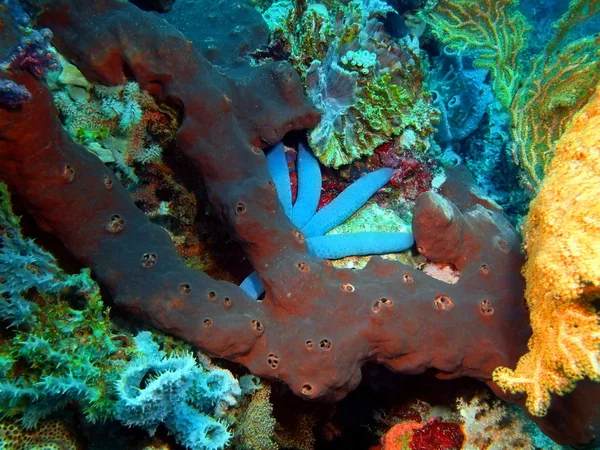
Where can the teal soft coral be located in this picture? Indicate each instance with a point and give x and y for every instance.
(60, 348)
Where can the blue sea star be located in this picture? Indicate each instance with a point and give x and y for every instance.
(314, 224)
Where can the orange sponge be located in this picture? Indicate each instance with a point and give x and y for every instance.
(562, 242)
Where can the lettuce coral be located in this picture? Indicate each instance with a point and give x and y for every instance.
(562, 232)
(366, 83)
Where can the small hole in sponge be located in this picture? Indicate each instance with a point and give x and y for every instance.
(306, 390)
(325, 344)
(443, 302)
(273, 361)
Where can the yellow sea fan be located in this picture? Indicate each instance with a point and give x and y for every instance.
(562, 241)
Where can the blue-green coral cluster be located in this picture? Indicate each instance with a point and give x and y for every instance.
(189, 399)
(109, 120)
(366, 83)
(61, 348)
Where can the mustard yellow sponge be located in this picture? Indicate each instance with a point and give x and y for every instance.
(562, 242)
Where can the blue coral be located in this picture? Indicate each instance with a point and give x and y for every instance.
(23, 266)
(314, 224)
(461, 93)
(189, 399)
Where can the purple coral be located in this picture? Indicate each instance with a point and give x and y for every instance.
(13, 94)
(32, 54)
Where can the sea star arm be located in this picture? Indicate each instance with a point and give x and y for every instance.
(335, 246)
(347, 203)
(309, 186)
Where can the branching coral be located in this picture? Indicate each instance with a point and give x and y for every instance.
(561, 81)
(120, 124)
(542, 98)
(492, 31)
(562, 233)
(316, 326)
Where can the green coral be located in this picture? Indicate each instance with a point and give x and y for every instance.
(64, 350)
(492, 31)
(325, 39)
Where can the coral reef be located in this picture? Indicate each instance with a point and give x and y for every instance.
(491, 31)
(487, 424)
(32, 54)
(120, 124)
(255, 428)
(316, 325)
(462, 95)
(366, 83)
(61, 348)
(416, 436)
(315, 223)
(562, 79)
(63, 351)
(562, 270)
(541, 98)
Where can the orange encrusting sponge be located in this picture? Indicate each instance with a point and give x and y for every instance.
(562, 242)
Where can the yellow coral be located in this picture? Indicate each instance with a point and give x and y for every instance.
(48, 435)
(562, 241)
(493, 31)
(559, 84)
(256, 427)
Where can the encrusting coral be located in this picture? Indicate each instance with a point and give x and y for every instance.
(50, 434)
(255, 429)
(562, 241)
